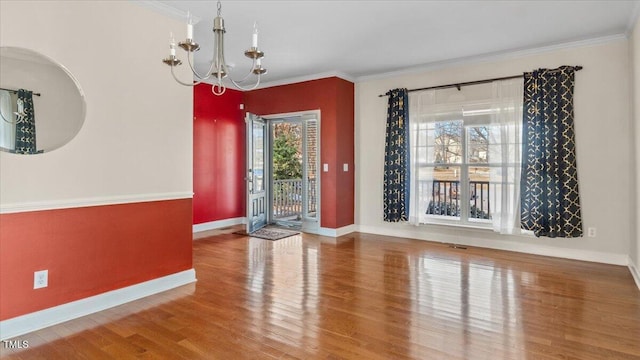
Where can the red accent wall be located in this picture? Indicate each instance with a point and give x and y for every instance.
(90, 250)
(218, 155)
(335, 99)
(345, 153)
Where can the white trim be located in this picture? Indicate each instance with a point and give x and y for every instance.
(323, 231)
(491, 57)
(212, 225)
(304, 78)
(461, 238)
(95, 201)
(337, 232)
(166, 10)
(293, 80)
(634, 272)
(635, 14)
(315, 112)
(44, 318)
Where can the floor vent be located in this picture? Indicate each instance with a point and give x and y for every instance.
(456, 246)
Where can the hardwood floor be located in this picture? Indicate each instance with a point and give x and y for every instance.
(363, 297)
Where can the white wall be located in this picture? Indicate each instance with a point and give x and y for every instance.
(136, 140)
(604, 146)
(634, 252)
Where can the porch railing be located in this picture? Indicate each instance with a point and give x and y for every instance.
(287, 198)
(446, 197)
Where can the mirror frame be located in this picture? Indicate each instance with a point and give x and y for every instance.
(42, 81)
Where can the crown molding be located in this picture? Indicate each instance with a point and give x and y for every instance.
(489, 57)
(633, 19)
(165, 10)
(495, 56)
(298, 79)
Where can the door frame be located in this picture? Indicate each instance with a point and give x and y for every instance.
(294, 114)
(266, 168)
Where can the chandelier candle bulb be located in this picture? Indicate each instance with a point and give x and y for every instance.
(189, 26)
(254, 38)
(172, 45)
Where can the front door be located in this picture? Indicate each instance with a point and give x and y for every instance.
(257, 173)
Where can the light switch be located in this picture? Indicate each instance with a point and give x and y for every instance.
(325, 167)
(345, 167)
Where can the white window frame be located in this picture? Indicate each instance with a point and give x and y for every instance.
(465, 189)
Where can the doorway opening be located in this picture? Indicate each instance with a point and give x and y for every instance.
(294, 160)
(284, 179)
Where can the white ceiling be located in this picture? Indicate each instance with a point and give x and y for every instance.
(360, 39)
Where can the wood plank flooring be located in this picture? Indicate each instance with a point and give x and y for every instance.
(363, 296)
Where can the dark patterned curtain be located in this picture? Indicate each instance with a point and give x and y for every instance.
(396, 158)
(550, 203)
(25, 124)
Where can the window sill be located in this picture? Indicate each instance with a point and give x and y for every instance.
(471, 226)
(458, 225)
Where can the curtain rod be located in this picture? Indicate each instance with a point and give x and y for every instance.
(458, 85)
(15, 91)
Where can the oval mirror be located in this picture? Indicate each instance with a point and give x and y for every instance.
(42, 106)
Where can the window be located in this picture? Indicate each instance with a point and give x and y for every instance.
(454, 181)
(465, 156)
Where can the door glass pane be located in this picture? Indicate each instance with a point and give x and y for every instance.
(287, 171)
(311, 164)
(258, 156)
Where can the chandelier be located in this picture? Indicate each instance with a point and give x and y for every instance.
(219, 68)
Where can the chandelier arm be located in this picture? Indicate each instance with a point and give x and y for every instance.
(9, 121)
(247, 88)
(246, 76)
(237, 83)
(193, 70)
(182, 82)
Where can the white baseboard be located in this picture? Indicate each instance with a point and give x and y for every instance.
(44, 318)
(460, 238)
(212, 225)
(337, 232)
(634, 272)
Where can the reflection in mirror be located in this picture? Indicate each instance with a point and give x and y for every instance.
(41, 105)
(18, 127)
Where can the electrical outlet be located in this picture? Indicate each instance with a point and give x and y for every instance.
(591, 232)
(40, 279)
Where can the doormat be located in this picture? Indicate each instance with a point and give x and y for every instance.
(270, 233)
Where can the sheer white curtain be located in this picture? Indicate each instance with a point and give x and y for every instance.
(505, 138)
(421, 118)
(8, 120)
